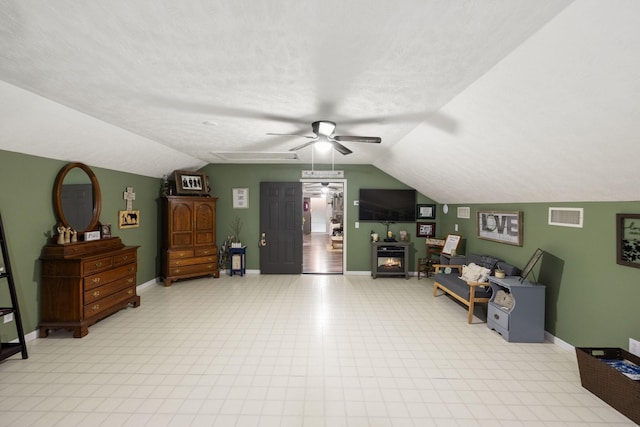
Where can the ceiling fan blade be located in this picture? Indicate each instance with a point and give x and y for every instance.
(348, 138)
(436, 119)
(292, 134)
(300, 147)
(340, 148)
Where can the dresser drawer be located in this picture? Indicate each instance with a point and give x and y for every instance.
(95, 308)
(125, 257)
(206, 251)
(97, 264)
(180, 254)
(103, 291)
(192, 269)
(100, 279)
(193, 261)
(498, 316)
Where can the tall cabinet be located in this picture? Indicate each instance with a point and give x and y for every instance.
(188, 238)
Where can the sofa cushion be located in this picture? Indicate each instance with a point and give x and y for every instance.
(475, 273)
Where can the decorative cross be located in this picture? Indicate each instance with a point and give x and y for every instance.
(129, 196)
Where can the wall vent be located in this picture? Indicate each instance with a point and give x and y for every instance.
(566, 217)
(464, 212)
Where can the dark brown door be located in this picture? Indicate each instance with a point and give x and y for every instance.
(281, 228)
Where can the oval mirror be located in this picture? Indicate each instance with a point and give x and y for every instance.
(76, 198)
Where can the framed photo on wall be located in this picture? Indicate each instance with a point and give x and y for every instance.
(425, 229)
(425, 211)
(128, 219)
(628, 240)
(240, 198)
(500, 226)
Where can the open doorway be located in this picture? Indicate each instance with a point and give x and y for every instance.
(323, 227)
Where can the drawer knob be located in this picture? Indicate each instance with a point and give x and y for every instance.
(96, 294)
(181, 255)
(96, 307)
(497, 316)
(96, 280)
(130, 280)
(131, 268)
(177, 270)
(130, 291)
(98, 264)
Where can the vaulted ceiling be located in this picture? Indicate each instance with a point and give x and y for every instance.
(475, 101)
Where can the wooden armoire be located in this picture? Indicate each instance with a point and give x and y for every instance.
(188, 238)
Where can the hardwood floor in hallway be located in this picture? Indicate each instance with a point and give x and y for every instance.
(318, 257)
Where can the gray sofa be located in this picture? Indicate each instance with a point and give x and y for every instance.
(447, 278)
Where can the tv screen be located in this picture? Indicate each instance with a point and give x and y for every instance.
(379, 205)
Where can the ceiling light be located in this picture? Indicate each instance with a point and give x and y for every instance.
(322, 146)
(324, 128)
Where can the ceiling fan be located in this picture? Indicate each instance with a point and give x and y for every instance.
(323, 134)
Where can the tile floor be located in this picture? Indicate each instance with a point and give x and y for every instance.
(306, 350)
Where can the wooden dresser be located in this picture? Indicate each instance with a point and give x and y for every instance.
(188, 238)
(85, 282)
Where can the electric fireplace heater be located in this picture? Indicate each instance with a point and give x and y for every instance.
(389, 259)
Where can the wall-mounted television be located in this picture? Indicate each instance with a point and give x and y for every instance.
(387, 205)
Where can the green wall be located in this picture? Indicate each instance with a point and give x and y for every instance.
(224, 177)
(26, 188)
(590, 300)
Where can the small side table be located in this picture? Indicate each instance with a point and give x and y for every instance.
(237, 260)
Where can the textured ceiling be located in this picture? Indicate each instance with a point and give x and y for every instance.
(497, 101)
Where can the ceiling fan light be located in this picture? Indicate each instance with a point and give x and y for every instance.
(326, 128)
(322, 146)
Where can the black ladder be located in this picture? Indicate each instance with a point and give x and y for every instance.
(8, 349)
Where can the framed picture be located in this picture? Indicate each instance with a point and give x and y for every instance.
(128, 219)
(628, 240)
(425, 229)
(191, 183)
(105, 230)
(498, 226)
(425, 211)
(240, 198)
(451, 244)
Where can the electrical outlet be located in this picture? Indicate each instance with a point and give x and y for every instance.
(634, 347)
(357, 224)
(8, 318)
(356, 203)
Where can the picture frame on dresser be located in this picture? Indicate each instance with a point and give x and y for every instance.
(628, 239)
(451, 243)
(190, 183)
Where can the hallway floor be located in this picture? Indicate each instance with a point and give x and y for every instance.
(303, 350)
(317, 257)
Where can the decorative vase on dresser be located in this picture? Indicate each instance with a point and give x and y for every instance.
(188, 238)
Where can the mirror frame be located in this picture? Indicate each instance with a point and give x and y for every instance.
(97, 196)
